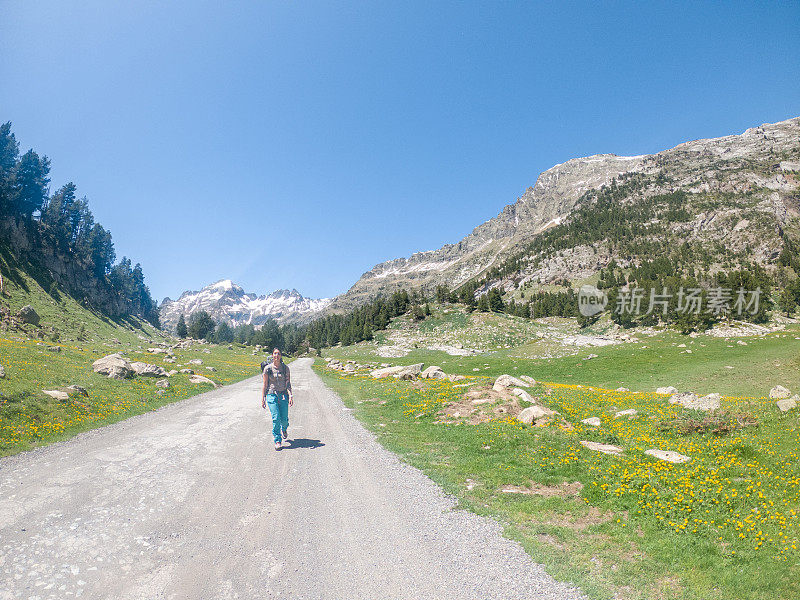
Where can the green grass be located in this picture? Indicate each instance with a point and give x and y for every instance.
(722, 526)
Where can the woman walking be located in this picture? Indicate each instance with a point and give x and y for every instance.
(276, 392)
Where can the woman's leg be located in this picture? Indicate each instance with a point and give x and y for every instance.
(283, 404)
(273, 402)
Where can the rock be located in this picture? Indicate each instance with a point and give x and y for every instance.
(162, 383)
(76, 389)
(212, 369)
(348, 368)
(157, 350)
(622, 389)
(27, 314)
(507, 381)
(410, 372)
(196, 361)
(456, 377)
(186, 371)
(54, 348)
(604, 448)
(146, 370)
(692, 402)
(779, 392)
(387, 372)
(2, 372)
(590, 357)
(668, 455)
(201, 379)
(787, 404)
(534, 413)
(170, 359)
(113, 366)
(523, 395)
(527, 379)
(667, 390)
(171, 373)
(631, 412)
(594, 421)
(433, 372)
(57, 395)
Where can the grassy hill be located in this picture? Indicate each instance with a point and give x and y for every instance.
(59, 351)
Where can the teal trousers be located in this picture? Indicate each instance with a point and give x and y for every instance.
(279, 408)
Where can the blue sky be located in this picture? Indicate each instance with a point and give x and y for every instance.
(297, 144)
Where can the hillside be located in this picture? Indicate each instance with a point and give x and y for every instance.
(734, 197)
(227, 302)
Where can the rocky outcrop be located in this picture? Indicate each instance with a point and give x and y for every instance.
(27, 314)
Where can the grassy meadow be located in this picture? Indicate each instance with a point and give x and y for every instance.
(724, 525)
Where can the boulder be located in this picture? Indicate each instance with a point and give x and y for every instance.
(170, 359)
(201, 379)
(593, 421)
(76, 389)
(157, 350)
(668, 456)
(631, 412)
(433, 372)
(604, 448)
(779, 393)
(348, 368)
(54, 348)
(146, 370)
(456, 377)
(787, 404)
(27, 314)
(507, 381)
(410, 372)
(692, 402)
(622, 389)
(534, 413)
(212, 369)
(196, 361)
(387, 372)
(113, 366)
(187, 371)
(667, 390)
(162, 383)
(57, 395)
(171, 373)
(527, 379)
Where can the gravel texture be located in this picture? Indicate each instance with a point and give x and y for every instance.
(192, 501)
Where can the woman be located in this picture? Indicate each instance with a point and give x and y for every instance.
(276, 392)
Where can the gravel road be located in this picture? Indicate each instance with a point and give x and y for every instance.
(192, 501)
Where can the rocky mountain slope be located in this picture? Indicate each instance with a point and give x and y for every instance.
(226, 301)
(741, 191)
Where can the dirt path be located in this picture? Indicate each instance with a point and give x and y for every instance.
(192, 501)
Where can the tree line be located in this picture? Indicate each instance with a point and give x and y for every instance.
(63, 224)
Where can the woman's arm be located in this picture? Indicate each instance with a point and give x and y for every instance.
(264, 380)
(289, 385)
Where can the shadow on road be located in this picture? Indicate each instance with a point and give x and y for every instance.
(298, 443)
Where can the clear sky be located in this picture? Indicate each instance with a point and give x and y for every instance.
(297, 144)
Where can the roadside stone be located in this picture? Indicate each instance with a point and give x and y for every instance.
(27, 314)
(604, 448)
(779, 393)
(433, 372)
(668, 455)
(201, 379)
(147, 370)
(667, 390)
(76, 389)
(593, 421)
(631, 412)
(113, 366)
(162, 383)
(787, 404)
(57, 395)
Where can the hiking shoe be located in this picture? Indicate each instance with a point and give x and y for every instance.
(278, 446)
(285, 434)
